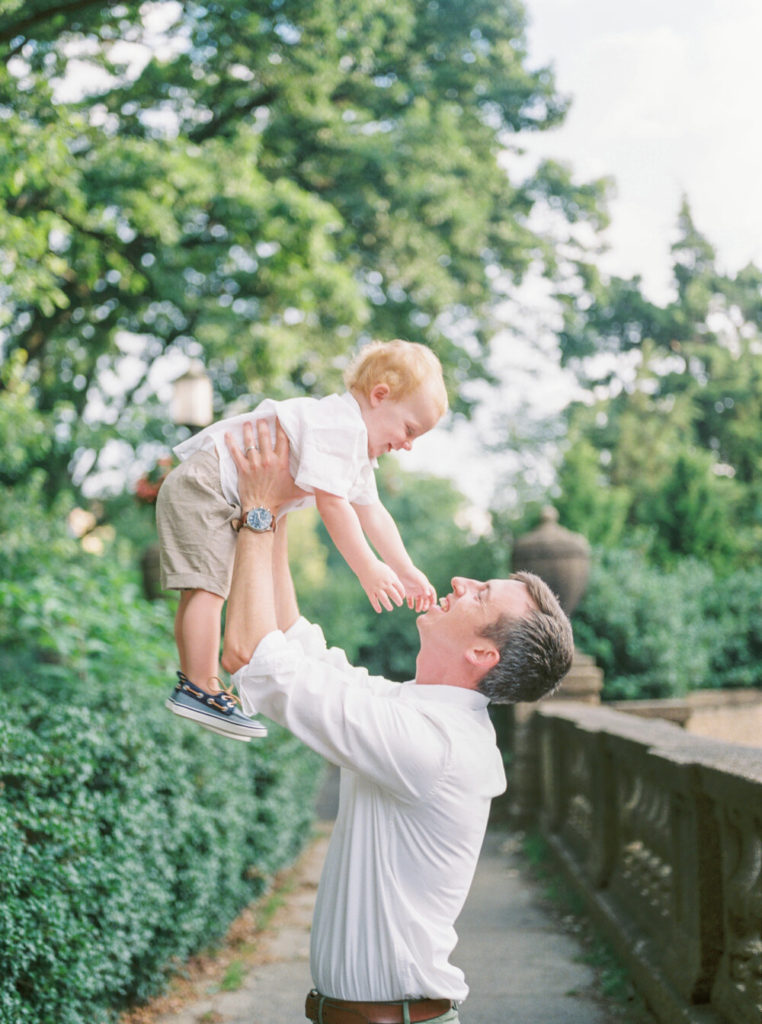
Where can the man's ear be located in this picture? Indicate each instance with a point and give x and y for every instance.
(378, 393)
(483, 656)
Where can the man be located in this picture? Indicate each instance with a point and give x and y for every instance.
(419, 762)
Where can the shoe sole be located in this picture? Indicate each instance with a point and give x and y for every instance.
(221, 732)
(213, 723)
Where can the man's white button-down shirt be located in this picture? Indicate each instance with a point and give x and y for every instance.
(419, 768)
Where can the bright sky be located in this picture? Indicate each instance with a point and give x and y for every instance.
(666, 98)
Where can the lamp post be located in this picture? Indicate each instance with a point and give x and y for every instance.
(191, 406)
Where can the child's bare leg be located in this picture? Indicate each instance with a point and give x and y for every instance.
(197, 634)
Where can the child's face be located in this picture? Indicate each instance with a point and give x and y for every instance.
(395, 423)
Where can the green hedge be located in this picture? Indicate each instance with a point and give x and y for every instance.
(661, 633)
(128, 837)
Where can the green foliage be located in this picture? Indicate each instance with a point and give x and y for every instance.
(24, 433)
(586, 504)
(33, 534)
(128, 839)
(668, 440)
(276, 183)
(658, 633)
(645, 627)
(736, 603)
(65, 614)
(693, 512)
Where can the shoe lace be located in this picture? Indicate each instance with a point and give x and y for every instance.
(226, 690)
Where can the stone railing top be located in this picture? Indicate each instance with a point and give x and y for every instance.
(663, 739)
(703, 699)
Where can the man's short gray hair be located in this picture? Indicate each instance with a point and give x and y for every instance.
(535, 650)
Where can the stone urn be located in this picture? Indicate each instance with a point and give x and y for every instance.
(556, 555)
(562, 559)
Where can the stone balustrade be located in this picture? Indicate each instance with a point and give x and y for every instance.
(732, 715)
(662, 832)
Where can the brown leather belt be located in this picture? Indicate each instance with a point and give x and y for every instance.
(323, 1010)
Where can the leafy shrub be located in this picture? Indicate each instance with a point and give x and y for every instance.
(736, 659)
(658, 633)
(128, 838)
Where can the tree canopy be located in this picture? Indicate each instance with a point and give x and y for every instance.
(668, 440)
(263, 184)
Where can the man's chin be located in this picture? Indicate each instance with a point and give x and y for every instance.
(432, 613)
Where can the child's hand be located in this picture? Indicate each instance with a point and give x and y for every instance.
(382, 585)
(419, 592)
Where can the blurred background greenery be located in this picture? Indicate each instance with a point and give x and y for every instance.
(264, 186)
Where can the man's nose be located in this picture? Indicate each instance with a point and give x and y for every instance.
(459, 585)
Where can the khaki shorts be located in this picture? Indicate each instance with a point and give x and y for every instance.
(196, 538)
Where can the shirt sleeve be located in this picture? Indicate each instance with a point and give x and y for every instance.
(333, 453)
(355, 720)
(364, 490)
(310, 639)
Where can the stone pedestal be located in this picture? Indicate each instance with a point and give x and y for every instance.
(582, 684)
(562, 559)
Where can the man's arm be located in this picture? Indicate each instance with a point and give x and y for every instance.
(286, 606)
(252, 612)
(352, 725)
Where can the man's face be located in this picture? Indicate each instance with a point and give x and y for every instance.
(449, 630)
(393, 424)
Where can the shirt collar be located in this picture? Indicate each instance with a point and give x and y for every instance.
(441, 694)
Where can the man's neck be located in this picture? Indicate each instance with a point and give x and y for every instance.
(462, 677)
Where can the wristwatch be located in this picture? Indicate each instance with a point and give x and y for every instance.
(260, 520)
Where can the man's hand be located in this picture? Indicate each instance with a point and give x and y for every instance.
(263, 474)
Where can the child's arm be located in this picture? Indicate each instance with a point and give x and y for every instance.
(382, 532)
(378, 580)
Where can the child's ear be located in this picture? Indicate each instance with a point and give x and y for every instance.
(378, 393)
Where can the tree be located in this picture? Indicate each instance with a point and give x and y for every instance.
(671, 420)
(265, 184)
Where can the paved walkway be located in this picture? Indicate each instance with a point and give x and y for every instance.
(522, 968)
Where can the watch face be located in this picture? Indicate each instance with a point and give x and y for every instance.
(259, 519)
